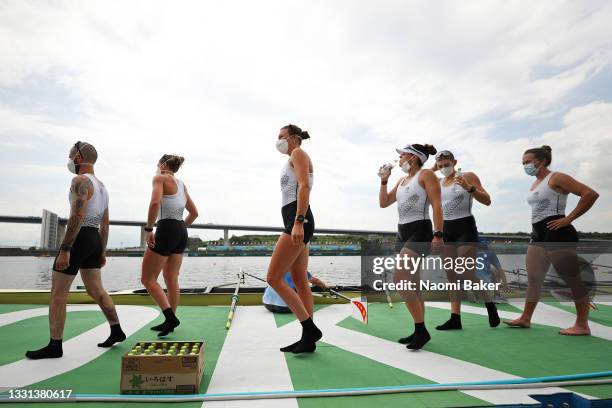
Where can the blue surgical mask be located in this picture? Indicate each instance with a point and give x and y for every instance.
(530, 169)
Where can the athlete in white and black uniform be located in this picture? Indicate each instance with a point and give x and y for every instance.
(83, 249)
(415, 194)
(553, 237)
(460, 231)
(166, 247)
(291, 250)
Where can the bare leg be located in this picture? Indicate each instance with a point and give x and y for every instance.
(152, 265)
(171, 277)
(294, 258)
(284, 256)
(565, 262)
(537, 264)
(93, 284)
(299, 275)
(60, 288)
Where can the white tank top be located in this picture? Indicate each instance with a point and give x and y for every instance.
(97, 204)
(173, 205)
(456, 201)
(412, 201)
(545, 201)
(289, 184)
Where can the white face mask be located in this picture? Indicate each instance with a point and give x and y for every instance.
(447, 171)
(72, 167)
(282, 145)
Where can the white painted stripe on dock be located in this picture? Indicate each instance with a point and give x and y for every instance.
(251, 361)
(545, 314)
(432, 366)
(78, 351)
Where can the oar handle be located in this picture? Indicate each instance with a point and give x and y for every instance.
(340, 295)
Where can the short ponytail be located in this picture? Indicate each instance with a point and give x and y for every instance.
(543, 153)
(294, 130)
(173, 161)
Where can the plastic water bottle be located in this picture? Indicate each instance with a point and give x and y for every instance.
(387, 167)
(458, 173)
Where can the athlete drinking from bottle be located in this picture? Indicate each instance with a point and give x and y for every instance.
(415, 193)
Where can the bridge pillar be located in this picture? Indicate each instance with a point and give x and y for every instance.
(225, 237)
(143, 237)
(61, 232)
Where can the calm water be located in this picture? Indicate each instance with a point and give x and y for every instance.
(123, 273)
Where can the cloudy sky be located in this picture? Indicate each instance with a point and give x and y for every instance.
(214, 81)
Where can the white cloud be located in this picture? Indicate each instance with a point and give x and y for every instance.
(215, 81)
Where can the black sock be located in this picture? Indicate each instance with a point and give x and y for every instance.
(169, 324)
(406, 340)
(454, 323)
(421, 337)
(290, 347)
(51, 350)
(310, 335)
(116, 335)
(493, 316)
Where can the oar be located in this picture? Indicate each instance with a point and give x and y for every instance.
(256, 277)
(362, 309)
(235, 298)
(387, 292)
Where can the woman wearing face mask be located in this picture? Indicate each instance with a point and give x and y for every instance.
(460, 232)
(166, 247)
(553, 238)
(291, 250)
(415, 193)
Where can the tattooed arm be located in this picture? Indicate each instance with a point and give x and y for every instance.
(80, 190)
(104, 236)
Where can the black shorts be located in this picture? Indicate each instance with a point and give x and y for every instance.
(170, 237)
(461, 230)
(540, 232)
(289, 212)
(415, 235)
(85, 252)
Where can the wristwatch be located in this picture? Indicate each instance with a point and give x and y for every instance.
(148, 229)
(438, 234)
(300, 218)
(65, 247)
(472, 189)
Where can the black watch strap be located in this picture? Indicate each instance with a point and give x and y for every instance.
(438, 234)
(148, 229)
(300, 218)
(65, 247)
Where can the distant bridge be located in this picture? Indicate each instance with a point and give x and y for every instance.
(231, 227)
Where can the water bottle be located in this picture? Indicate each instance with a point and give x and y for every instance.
(386, 167)
(458, 173)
